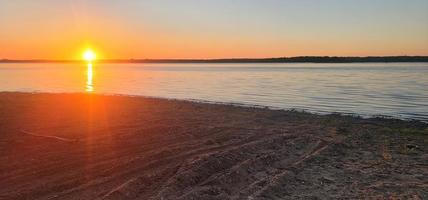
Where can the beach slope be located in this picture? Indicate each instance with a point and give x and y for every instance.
(80, 146)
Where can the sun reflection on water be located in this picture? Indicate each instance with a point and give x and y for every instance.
(89, 78)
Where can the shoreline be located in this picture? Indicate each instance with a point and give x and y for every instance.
(91, 146)
(297, 59)
(235, 104)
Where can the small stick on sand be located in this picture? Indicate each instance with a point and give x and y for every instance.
(49, 136)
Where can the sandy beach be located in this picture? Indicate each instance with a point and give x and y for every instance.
(80, 146)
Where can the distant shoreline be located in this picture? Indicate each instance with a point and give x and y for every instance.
(300, 59)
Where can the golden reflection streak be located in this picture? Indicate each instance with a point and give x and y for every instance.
(89, 78)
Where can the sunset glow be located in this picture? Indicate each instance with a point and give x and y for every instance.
(212, 29)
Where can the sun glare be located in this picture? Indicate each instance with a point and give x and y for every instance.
(89, 78)
(89, 55)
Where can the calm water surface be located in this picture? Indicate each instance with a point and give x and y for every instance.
(396, 89)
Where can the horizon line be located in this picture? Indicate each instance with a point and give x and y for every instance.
(320, 59)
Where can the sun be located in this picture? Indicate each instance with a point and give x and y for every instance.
(89, 55)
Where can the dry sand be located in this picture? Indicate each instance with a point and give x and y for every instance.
(115, 147)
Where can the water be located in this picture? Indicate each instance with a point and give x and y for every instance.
(392, 89)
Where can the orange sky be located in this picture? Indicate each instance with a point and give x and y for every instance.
(61, 29)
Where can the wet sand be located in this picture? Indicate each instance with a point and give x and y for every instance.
(77, 146)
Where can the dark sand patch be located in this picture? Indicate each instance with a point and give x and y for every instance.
(143, 148)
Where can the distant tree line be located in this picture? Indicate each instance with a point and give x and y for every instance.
(300, 59)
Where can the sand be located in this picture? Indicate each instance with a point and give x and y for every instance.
(77, 146)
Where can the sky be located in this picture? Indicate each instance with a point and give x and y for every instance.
(125, 29)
